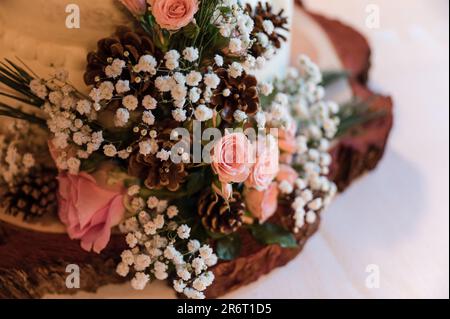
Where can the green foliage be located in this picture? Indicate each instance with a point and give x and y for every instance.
(270, 234)
(356, 113)
(229, 247)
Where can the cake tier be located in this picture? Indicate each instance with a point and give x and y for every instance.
(37, 33)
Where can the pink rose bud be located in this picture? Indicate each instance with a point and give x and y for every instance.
(224, 190)
(136, 7)
(287, 173)
(262, 204)
(267, 164)
(174, 14)
(232, 158)
(286, 138)
(88, 210)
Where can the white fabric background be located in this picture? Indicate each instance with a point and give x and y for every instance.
(398, 216)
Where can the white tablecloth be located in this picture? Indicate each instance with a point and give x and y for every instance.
(396, 218)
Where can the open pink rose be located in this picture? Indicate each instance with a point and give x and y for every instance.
(267, 164)
(174, 14)
(232, 158)
(136, 7)
(89, 209)
(286, 138)
(262, 204)
(287, 173)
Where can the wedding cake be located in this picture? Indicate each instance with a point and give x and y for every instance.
(95, 173)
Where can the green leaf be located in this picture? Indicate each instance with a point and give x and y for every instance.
(330, 77)
(270, 234)
(229, 247)
(191, 31)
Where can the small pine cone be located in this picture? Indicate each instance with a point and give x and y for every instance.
(263, 12)
(157, 174)
(219, 216)
(126, 45)
(34, 196)
(243, 95)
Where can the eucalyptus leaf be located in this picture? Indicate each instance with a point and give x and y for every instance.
(270, 234)
(229, 247)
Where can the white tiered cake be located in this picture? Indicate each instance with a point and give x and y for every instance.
(37, 33)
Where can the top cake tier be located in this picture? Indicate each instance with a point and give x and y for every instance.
(37, 32)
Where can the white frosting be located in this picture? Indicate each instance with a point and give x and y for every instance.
(36, 32)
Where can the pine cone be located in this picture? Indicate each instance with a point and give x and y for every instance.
(126, 45)
(34, 196)
(264, 12)
(219, 216)
(244, 95)
(157, 174)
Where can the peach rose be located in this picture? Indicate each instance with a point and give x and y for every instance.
(287, 173)
(286, 138)
(174, 14)
(262, 204)
(231, 158)
(267, 165)
(89, 209)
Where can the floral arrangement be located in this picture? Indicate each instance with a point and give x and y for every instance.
(177, 143)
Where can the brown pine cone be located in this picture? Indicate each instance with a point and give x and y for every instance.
(243, 95)
(264, 12)
(157, 174)
(126, 45)
(34, 196)
(219, 216)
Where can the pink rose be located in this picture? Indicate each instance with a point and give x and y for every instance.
(89, 209)
(136, 7)
(267, 165)
(174, 14)
(232, 158)
(286, 138)
(287, 173)
(262, 204)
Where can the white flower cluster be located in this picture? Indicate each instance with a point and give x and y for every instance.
(237, 25)
(69, 115)
(304, 100)
(158, 244)
(16, 152)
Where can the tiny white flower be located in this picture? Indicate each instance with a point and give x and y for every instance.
(235, 45)
(193, 78)
(152, 202)
(149, 103)
(163, 155)
(235, 70)
(212, 80)
(218, 59)
(122, 86)
(203, 113)
(184, 231)
(122, 269)
(122, 117)
(240, 116)
(110, 150)
(140, 280)
(172, 212)
(148, 118)
(191, 54)
(130, 102)
(179, 115)
(268, 26)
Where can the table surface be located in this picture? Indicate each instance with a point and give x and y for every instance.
(394, 222)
